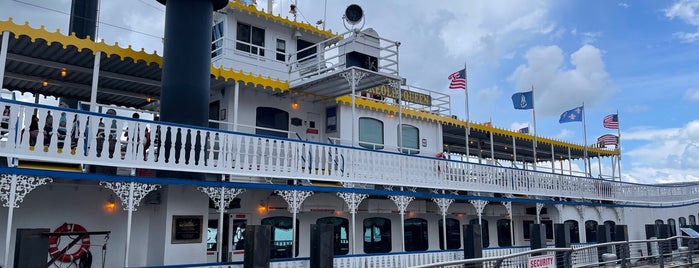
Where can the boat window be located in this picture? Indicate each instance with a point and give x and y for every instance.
(268, 119)
(340, 233)
(659, 221)
(453, 234)
(250, 39)
(574, 231)
(526, 231)
(370, 133)
(302, 55)
(673, 226)
(217, 40)
(281, 50)
(416, 235)
(282, 236)
(504, 227)
(410, 140)
(683, 222)
(549, 228)
(612, 229)
(484, 231)
(377, 235)
(692, 220)
(590, 231)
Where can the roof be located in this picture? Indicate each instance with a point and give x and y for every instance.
(127, 77)
(241, 6)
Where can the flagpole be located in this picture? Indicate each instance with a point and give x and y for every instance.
(618, 132)
(587, 166)
(468, 120)
(534, 130)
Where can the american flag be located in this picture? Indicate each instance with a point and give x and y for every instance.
(458, 80)
(608, 139)
(611, 121)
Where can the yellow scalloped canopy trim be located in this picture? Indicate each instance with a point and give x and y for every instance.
(258, 80)
(80, 44)
(252, 10)
(393, 109)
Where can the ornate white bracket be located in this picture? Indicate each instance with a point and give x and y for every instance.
(599, 212)
(508, 206)
(353, 200)
(479, 205)
(539, 206)
(559, 208)
(218, 193)
(18, 186)
(294, 198)
(443, 204)
(402, 202)
(619, 214)
(581, 212)
(354, 79)
(122, 189)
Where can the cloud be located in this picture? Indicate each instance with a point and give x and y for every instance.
(487, 30)
(489, 94)
(692, 94)
(668, 155)
(688, 12)
(563, 134)
(624, 5)
(558, 88)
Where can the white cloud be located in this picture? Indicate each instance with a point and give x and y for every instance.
(488, 94)
(487, 29)
(688, 12)
(669, 155)
(563, 134)
(557, 88)
(624, 5)
(692, 94)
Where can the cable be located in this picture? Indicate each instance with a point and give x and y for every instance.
(105, 23)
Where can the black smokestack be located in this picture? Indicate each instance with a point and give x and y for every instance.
(83, 18)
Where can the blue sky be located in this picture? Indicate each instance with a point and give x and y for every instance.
(637, 57)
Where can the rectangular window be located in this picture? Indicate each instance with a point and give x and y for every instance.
(410, 140)
(250, 39)
(217, 40)
(370, 133)
(281, 50)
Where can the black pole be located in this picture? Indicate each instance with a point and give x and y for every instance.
(187, 60)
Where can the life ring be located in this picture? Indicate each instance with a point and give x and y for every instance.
(69, 257)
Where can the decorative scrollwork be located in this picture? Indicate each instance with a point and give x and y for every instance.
(354, 79)
(443, 204)
(560, 207)
(122, 190)
(218, 193)
(353, 200)
(22, 186)
(479, 205)
(294, 198)
(402, 202)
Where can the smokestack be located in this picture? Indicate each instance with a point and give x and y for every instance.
(83, 18)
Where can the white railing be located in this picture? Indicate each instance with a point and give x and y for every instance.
(77, 137)
(329, 56)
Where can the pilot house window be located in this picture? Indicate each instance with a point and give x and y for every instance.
(410, 141)
(370, 133)
(250, 39)
(281, 50)
(217, 40)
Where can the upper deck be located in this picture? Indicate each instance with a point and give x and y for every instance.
(87, 138)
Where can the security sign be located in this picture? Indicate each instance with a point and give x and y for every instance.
(543, 261)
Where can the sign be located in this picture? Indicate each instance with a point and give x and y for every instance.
(542, 261)
(406, 95)
(186, 229)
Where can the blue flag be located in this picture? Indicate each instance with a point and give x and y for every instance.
(523, 100)
(572, 115)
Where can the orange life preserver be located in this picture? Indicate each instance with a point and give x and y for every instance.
(69, 257)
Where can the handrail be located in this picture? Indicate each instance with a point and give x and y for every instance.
(198, 149)
(500, 259)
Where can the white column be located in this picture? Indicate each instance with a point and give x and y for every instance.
(18, 187)
(553, 160)
(353, 200)
(443, 204)
(221, 196)
(3, 60)
(236, 92)
(402, 203)
(294, 198)
(95, 81)
(514, 150)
